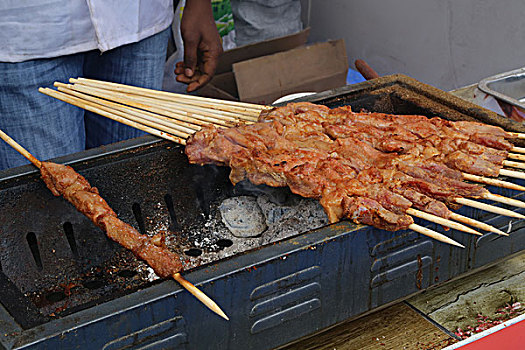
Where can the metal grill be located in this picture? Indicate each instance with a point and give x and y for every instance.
(64, 283)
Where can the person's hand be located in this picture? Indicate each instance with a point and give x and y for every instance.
(202, 45)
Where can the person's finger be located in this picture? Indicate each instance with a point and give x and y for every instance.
(193, 86)
(202, 80)
(182, 78)
(190, 55)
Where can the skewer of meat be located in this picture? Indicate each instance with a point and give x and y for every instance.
(318, 122)
(466, 220)
(479, 132)
(118, 115)
(395, 132)
(309, 132)
(64, 181)
(306, 172)
(143, 116)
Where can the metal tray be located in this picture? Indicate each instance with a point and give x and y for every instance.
(508, 87)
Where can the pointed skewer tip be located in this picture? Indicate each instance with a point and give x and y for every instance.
(197, 293)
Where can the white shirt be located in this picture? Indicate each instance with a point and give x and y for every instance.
(31, 29)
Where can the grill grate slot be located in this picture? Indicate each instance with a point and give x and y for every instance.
(224, 243)
(193, 252)
(33, 246)
(94, 283)
(137, 212)
(70, 235)
(174, 223)
(55, 297)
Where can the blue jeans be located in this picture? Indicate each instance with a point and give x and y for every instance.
(50, 128)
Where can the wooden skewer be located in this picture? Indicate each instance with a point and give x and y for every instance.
(20, 149)
(518, 135)
(512, 173)
(238, 110)
(488, 207)
(476, 223)
(81, 103)
(124, 99)
(155, 93)
(516, 156)
(231, 117)
(200, 295)
(493, 182)
(184, 283)
(124, 108)
(518, 149)
(433, 234)
(160, 122)
(190, 109)
(505, 200)
(145, 120)
(514, 164)
(441, 221)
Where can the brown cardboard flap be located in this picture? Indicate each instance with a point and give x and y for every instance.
(312, 68)
(263, 48)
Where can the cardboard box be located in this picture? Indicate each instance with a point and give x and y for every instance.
(263, 72)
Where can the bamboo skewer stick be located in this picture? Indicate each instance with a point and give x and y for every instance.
(124, 111)
(512, 164)
(200, 295)
(505, 200)
(81, 103)
(488, 207)
(20, 149)
(518, 149)
(512, 173)
(493, 182)
(516, 156)
(475, 223)
(441, 221)
(177, 276)
(433, 234)
(158, 94)
(165, 105)
(143, 120)
(518, 135)
(123, 99)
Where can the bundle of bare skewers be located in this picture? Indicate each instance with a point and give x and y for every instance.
(372, 168)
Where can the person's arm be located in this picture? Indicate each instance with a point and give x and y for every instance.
(202, 45)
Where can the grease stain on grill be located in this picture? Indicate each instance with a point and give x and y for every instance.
(137, 212)
(94, 284)
(224, 243)
(193, 252)
(33, 246)
(70, 235)
(171, 210)
(202, 201)
(55, 297)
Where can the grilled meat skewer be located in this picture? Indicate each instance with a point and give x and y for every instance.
(63, 181)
